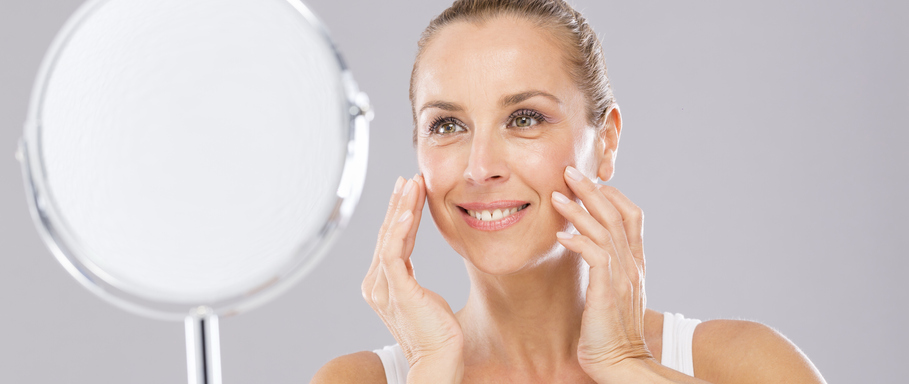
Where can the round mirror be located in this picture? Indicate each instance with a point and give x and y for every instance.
(187, 153)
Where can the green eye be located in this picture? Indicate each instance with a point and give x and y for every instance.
(523, 121)
(526, 118)
(445, 126)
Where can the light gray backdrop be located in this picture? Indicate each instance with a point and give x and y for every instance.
(763, 139)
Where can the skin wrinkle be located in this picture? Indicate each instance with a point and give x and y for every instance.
(507, 101)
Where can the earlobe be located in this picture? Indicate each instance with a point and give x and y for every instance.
(609, 139)
(607, 165)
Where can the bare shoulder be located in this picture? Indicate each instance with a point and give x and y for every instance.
(360, 367)
(737, 351)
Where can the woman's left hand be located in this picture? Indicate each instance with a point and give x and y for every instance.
(611, 242)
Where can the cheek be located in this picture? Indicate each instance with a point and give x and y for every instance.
(585, 152)
(545, 162)
(440, 172)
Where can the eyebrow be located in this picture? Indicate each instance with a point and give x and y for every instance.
(506, 101)
(443, 105)
(519, 97)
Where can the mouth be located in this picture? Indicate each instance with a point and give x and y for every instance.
(493, 216)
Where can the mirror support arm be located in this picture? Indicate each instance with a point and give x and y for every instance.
(203, 347)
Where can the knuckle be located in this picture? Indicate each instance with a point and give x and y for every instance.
(614, 219)
(379, 299)
(600, 259)
(590, 186)
(606, 238)
(607, 189)
(625, 288)
(590, 245)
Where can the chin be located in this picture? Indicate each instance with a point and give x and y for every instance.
(509, 260)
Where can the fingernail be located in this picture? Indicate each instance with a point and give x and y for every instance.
(398, 184)
(405, 216)
(564, 235)
(407, 187)
(560, 197)
(574, 173)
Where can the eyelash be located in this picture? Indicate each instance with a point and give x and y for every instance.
(526, 113)
(438, 121)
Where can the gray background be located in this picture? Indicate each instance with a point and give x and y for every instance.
(763, 139)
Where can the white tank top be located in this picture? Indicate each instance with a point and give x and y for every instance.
(677, 335)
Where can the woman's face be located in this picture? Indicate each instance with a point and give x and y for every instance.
(498, 120)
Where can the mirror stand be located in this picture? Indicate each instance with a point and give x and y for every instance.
(203, 346)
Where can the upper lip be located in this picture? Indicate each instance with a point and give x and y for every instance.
(498, 204)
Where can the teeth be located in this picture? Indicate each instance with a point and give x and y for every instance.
(497, 214)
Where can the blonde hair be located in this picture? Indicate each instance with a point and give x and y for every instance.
(582, 48)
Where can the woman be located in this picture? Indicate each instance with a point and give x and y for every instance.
(514, 118)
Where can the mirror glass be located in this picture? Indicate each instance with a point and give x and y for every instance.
(184, 153)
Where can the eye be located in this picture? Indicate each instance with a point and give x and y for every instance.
(445, 126)
(524, 121)
(525, 118)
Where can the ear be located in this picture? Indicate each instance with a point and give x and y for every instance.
(608, 143)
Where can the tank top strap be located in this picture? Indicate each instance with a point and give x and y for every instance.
(395, 364)
(678, 333)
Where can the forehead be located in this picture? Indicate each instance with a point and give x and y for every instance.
(469, 62)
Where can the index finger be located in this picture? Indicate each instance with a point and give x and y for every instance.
(410, 239)
(603, 211)
(389, 213)
(632, 218)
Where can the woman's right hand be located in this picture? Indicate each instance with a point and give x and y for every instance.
(420, 320)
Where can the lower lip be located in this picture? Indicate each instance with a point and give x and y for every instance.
(493, 225)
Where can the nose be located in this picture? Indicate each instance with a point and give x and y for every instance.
(488, 160)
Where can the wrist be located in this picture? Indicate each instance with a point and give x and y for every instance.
(437, 369)
(638, 370)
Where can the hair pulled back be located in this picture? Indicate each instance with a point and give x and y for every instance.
(582, 49)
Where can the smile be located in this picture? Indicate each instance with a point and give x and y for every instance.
(493, 216)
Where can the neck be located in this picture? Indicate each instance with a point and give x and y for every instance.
(531, 318)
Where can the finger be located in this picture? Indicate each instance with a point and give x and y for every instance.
(419, 201)
(602, 274)
(632, 216)
(389, 213)
(405, 204)
(602, 209)
(393, 262)
(586, 224)
(592, 229)
(369, 280)
(388, 237)
(391, 251)
(379, 292)
(608, 215)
